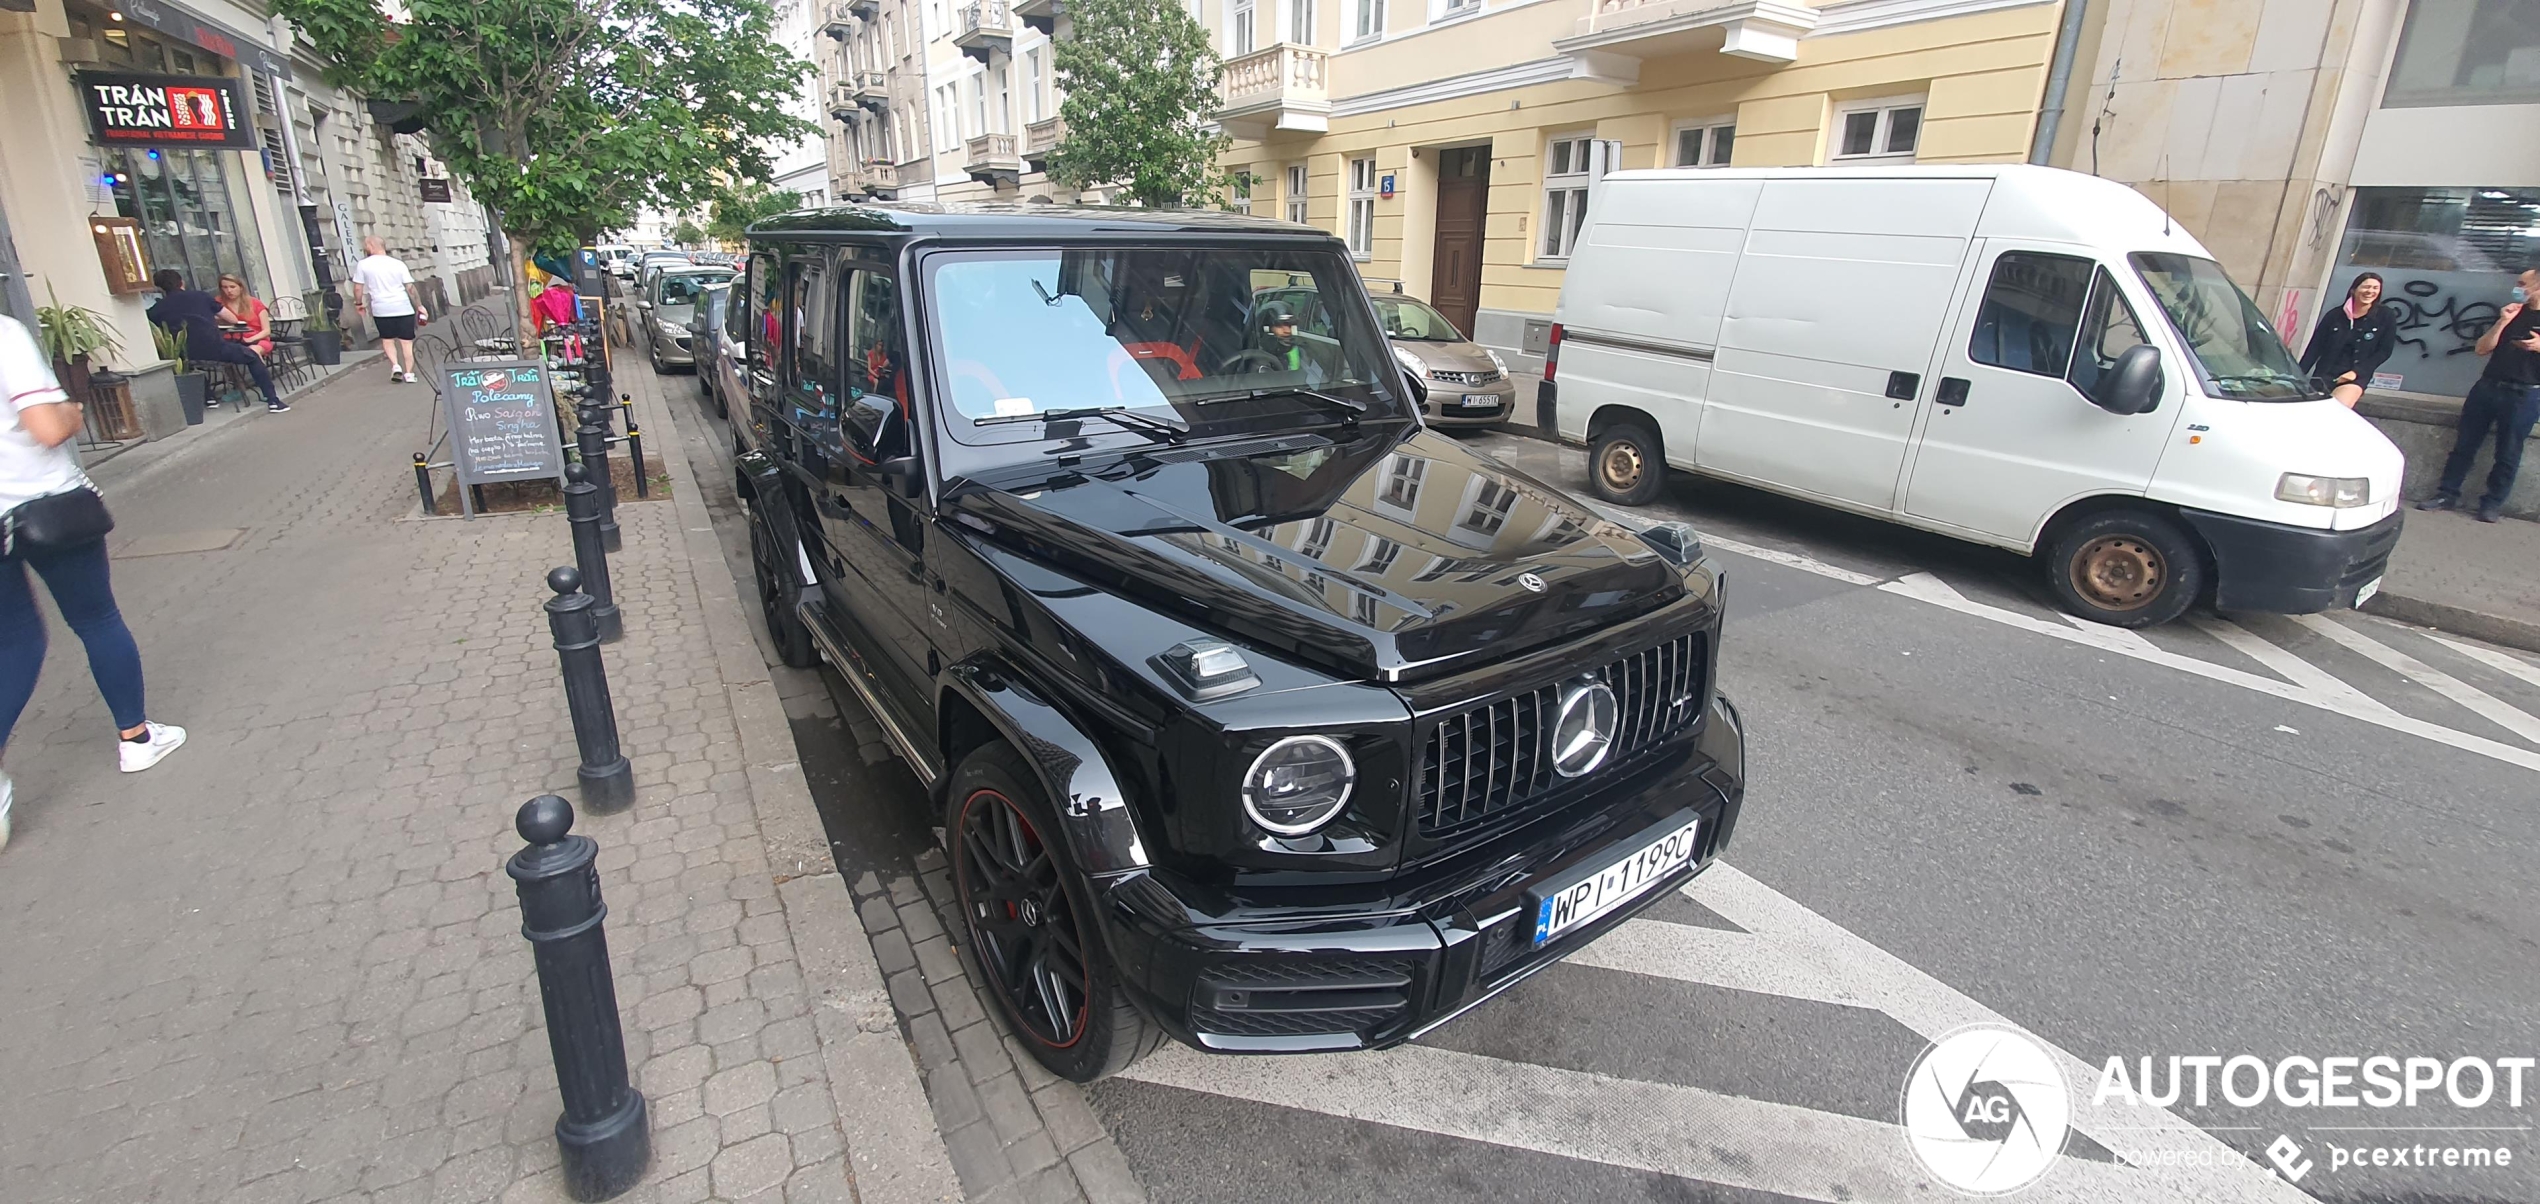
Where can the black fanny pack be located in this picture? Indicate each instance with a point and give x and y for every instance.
(68, 519)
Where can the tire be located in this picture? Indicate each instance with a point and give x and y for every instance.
(776, 594)
(2126, 568)
(1021, 922)
(1627, 465)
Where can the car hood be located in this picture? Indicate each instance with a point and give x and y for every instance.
(1386, 557)
(673, 313)
(1448, 357)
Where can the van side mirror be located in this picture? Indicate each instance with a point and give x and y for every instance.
(2133, 384)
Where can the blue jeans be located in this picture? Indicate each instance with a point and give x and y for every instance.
(2511, 410)
(78, 579)
(226, 352)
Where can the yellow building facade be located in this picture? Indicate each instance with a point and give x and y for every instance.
(1453, 143)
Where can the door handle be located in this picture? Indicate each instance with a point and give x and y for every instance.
(1952, 392)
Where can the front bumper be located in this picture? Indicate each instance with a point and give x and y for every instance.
(1443, 404)
(1287, 975)
(674, 350)
(2280, 569)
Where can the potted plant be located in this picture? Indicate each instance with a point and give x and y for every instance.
(70, 334)
(326, 339)
(193, 389)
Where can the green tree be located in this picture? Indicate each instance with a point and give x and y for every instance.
(686, 233)
(1141, 85)
(568, 116)
(736, 210)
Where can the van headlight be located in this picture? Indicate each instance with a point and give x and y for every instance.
(2343, 493)
(1298, 784)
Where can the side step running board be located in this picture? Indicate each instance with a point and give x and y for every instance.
(815, 615)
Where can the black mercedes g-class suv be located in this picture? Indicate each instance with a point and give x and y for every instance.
(1258, 715)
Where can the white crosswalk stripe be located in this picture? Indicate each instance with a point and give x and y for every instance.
(2285, 664)
(2495, 710)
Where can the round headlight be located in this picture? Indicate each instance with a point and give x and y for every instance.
(1298, 784)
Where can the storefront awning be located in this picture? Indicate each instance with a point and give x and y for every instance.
(181, 23)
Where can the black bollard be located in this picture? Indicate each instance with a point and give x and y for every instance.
(423, 483)
(635, 457)
(593, 441)
(608, 781)
(603, 1133)
(590, 557)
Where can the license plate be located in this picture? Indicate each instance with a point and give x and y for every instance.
(1480, 400)
(2365, 594)
(1583, 894)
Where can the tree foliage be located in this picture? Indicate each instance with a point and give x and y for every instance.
(569, 116)
(735, 210)
(686, 233)
(1141, 82)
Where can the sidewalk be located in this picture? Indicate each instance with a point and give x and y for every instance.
(2476, 579)
(286, 963)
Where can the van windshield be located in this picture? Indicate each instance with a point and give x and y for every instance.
(2237, 353)
(1187, 336)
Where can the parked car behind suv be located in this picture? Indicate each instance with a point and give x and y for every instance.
(1258, 715)
(667, 307)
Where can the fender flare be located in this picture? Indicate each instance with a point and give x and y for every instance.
(770, 504)
(1072, 769)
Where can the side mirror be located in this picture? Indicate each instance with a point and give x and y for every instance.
(2133, 384)
(902, 475)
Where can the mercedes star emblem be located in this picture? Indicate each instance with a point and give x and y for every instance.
(1584, 731)
(1533, 584)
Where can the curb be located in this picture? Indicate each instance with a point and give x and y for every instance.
(2458, 620)
(893, 1147)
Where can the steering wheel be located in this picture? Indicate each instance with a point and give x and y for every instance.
(1265, 362)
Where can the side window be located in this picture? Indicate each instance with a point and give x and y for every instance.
(2108, 330)
(2031, 312)
(764, 315)
(811, 323)
(878, 414)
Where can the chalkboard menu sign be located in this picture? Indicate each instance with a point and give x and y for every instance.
(502, 421)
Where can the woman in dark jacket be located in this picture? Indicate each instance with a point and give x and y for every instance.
(2351, 341)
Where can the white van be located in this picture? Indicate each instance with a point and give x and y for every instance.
(2020, 356)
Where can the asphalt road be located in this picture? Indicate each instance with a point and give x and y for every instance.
(2252, 836)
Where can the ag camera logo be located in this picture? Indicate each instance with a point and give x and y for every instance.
(1986, 1110)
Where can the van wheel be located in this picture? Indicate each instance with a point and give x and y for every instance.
(1626, 466)
(2125, 568)
(1030, 920)
(776, 592)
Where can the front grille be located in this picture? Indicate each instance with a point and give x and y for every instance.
(1298, 998)
(1490, 761)
(1484, 377)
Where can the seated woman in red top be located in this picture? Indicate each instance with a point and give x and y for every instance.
(243, 308)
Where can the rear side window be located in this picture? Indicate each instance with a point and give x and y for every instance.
(2031, 312)
(812, 320)
(765, 315)
(877, 414)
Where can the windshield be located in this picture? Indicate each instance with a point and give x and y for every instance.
(2237, 353)
(684, 290)
(1188, 336)
(1405, 318)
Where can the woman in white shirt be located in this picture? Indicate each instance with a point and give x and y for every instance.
(36, 461)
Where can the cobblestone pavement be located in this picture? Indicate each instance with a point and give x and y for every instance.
(286, 965)
(1014, 1132)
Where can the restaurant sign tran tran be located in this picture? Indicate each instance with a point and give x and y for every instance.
(136, 109)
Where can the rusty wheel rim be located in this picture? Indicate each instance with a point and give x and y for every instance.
(2119, 572)
(1621, 467)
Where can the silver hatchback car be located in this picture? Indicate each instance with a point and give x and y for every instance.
(1459, 383)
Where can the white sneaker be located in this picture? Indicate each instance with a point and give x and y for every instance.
(8, 795)
(142, 754)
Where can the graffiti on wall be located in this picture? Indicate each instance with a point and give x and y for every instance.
(2435, 320)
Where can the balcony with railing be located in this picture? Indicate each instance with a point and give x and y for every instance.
(1040, 14)
(986, 28)
(881, 177)
(838, 19)
(1039, 139)
(1279, 87)
(869, 88)
(842, 101)
(995, 159)
(1617, 35)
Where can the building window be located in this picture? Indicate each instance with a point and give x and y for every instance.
(1370, 22)
(1005, 101)
(1492, 500)
(1301, 21)
(2466, 52)
(1033, 77)
(979, 106)
(1399, 485)
(1362, 207)
(1454, 8)
(1239, 190)
(947, 117)
(1705, 144)
(192, 214)
(1879, 129)
(2447, 257)
(1565, 192)
(1318, 539)
(1296, 193)
(1239, 28)
(1381, 553)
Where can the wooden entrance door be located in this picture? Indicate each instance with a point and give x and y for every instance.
(1455, 275)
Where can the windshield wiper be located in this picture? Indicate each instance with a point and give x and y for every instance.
(1352, 406)
(2297, 383)
(1120, 416)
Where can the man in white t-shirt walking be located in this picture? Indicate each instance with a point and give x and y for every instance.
(387, 295)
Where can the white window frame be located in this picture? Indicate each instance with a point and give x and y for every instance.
(1296, 179)
(1240, 28)
(1301, 21)
(1560, 217)
(979, 104)
(1362, 208)
(1441, 11)
(1709, 153)
(1367, 21)
(1004, 111)
(1881, 133)
(1239, 190)
(1035, 72)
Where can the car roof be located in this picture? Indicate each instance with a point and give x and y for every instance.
(1009, 219)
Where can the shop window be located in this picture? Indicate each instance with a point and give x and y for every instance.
(1362, 207)
(2467, 52)
(1705, 143)
(1878, 129)
(193, 213)
(1565, 193)
(2447, 257)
